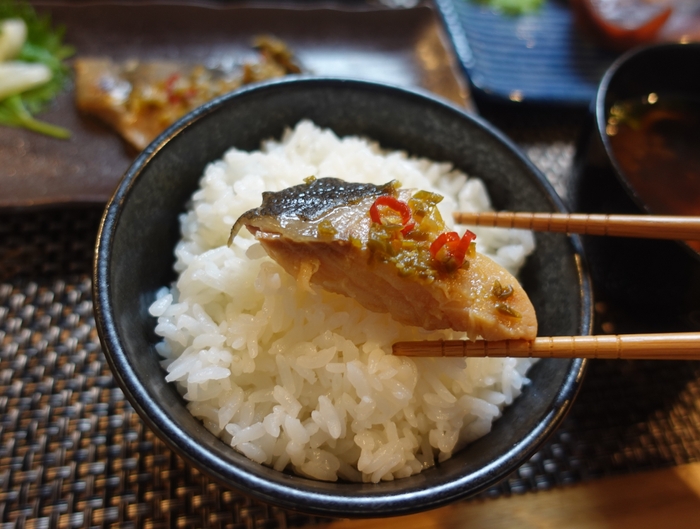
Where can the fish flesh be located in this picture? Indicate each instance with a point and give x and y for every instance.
(389, 249)
(140, 99)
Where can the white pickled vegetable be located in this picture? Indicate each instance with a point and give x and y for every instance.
(13, 34)
(28, 88)
(17, 77)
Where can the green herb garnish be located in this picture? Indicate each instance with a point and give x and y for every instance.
(44, 45)
(513, 7)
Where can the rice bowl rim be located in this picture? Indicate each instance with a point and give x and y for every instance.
(279, 488)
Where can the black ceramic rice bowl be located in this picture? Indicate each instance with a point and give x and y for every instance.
(134, 258)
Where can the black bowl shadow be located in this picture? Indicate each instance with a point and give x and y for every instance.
(134, 259)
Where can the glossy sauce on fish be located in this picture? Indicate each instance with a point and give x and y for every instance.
(389, 249)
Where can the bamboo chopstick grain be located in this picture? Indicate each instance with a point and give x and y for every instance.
(670, 346)
(642, 226)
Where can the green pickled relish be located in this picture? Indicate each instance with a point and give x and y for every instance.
(410, 252)
(326, 229)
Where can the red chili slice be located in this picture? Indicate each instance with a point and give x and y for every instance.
(392, 203)
(456, 247)
(170, 81)
(407, 228)
(169, 88)
(461, 249)
(442, 239)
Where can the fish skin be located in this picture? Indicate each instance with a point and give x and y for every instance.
(309, 201)
(287, 228)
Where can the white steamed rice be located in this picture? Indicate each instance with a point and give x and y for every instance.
(306, 380)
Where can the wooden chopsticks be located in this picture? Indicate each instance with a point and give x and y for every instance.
(671, 346)
(646, 226)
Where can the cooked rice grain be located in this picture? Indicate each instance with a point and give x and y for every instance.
(305, 380)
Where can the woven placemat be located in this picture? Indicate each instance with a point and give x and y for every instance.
(73, 453)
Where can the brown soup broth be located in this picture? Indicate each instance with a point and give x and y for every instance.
(656, 142)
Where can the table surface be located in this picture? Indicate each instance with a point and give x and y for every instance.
(661, 498)
(73, 452)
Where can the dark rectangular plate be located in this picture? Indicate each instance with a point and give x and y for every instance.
(540, 57)
(404, 47)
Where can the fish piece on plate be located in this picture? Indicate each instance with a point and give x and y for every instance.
(389, 249)
(140, 99)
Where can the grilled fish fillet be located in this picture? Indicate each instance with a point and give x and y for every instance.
(320, 232)
(140, 99)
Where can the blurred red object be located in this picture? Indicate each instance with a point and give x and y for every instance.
(621, 24)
